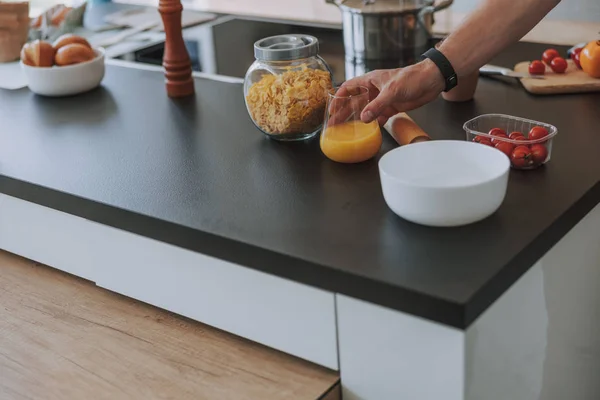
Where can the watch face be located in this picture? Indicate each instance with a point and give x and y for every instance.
(452, 80)
(451, 83)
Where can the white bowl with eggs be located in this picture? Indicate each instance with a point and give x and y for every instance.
(444, 183)
(66, 80)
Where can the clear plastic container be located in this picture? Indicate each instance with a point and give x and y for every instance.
(530, 155)
(287, 87)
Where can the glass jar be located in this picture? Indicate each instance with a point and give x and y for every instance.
(286, 88)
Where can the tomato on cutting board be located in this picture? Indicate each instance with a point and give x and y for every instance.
(537, 68)
(559, 65)
(550, 55)
(575, 56)
(577, 59)
(589, 58)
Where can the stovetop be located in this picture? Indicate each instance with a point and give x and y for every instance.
(225, 47)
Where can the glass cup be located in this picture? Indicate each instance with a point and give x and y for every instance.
(345, 138)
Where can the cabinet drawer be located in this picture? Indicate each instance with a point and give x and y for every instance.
(44, 235)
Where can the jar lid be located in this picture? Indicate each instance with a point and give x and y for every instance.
(286, 47)
(383, 6)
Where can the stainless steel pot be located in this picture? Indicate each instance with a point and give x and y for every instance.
(386, 29)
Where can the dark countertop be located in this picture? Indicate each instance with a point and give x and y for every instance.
(196, 173)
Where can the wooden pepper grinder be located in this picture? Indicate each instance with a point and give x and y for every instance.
(176, 61)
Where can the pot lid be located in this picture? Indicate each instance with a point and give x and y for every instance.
(383, 6)
(286, 47)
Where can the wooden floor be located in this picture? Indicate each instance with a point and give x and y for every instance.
(63, 338)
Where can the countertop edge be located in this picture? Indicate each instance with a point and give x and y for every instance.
(439, 310)
(259, 259)
(523, 261)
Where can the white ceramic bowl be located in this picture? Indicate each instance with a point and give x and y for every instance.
(445, 182)
(68, 80)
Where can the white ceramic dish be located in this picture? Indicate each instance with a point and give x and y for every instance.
(68, 80)
(445, 182)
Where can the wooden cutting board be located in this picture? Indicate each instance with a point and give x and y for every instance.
(573, 80)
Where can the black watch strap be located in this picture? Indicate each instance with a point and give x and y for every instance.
(444, 66)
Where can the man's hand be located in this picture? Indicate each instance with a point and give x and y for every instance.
(396, 90)
(490, 28)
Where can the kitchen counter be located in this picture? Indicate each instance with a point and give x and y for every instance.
(195, 174)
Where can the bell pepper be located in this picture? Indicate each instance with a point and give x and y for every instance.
(590, 59)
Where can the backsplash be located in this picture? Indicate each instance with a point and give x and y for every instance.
(573, 21)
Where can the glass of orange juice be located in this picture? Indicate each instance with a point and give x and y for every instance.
(345, 138)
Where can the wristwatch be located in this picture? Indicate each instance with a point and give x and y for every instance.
(444, 66)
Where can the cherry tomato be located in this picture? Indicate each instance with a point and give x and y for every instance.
(559, 65)
(483, 140)
(513, 135)
(521, 157)
(539, 153)
(505, 147)
(498, 133)
(495, 131)
(550, 55)
(575, 51)
(577, 59)
(499, 140)
(537, 132)
(537, 68)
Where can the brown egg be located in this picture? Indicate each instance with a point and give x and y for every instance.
(38, 54)
(70, 39)
(74, 54)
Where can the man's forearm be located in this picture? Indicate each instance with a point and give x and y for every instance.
(494, 25)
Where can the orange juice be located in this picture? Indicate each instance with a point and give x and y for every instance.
(351, 142)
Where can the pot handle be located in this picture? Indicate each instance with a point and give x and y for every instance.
(442, 5)
(431, 10)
